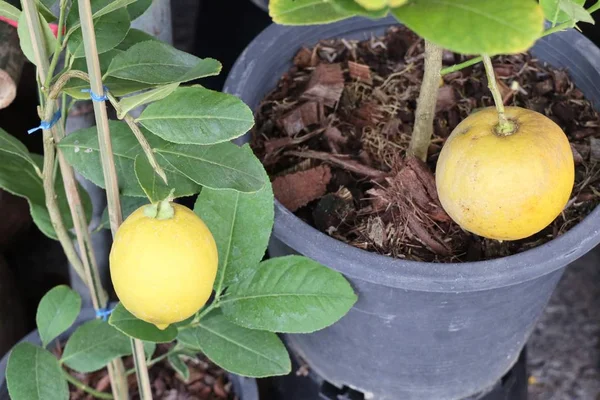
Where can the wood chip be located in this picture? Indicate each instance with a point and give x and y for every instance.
(391, 127)
(446, 98)
(333, 209)
(543, 87)
(326, 84)
(360, 71)
(506, 92)
(577, 157)
(298, 189)
(335, 139)
(376, 231)
(594, 149)
(301, 117)
(561, 81)
(303, 58)
(504, 70)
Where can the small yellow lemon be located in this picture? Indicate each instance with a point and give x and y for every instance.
(163, 270)
(505, 187)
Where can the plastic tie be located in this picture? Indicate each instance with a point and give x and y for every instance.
(45, 125)
(104, 313)
(94, 96)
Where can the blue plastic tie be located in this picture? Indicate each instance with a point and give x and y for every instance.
(104, 313)
(94, 96)
(46, 124)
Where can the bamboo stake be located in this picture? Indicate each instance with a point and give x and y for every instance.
(108, 163)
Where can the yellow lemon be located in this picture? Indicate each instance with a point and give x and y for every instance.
(505, 187)
(163, 270)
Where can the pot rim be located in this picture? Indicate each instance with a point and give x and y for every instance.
(400, 273)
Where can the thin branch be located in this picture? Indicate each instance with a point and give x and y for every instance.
(80, 385)
(59, 43)
(504, 127)
(141, 139)
(340, 161)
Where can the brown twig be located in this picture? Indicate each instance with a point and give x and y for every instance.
(340, 161)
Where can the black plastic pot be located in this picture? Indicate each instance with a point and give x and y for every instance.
(420, 330)
(245, 388)
(310, 386)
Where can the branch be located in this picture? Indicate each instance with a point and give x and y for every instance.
(423, 128)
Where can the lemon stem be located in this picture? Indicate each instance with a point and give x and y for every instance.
(505, 127)
(161, 209)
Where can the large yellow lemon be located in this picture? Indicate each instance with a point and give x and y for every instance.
(505, 187)
(163, 270)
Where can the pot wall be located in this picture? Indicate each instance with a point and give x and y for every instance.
(419, 330)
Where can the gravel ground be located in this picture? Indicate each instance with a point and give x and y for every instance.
(564, 351)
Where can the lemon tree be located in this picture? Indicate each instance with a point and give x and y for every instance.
(193, 277)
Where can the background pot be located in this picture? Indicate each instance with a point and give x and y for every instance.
(245, 388)
(419, 330)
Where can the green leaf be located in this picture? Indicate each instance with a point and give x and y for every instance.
(158, 63)
(351, 7)
(11, 145)
(56, 312)
(134, 36)
(110, 30)
(177, 363)
(152, 184)
(111, 6)
(374, 5)
(290, 294)
(220, 166)
(241, 224)
(576, 11)
(128, 206)
(129, 103)
(127, 323)
(195, 115)
(48, 3)
(25, 37)
(45, 11)
(475, 26)
(81, 150)
(236, 349)
(99, 8)
(305, 12)
(9, 11)
(137, 8)
(117, 87)
(93, 345)
(33, 373)
(19, 176)
(553, 13)
(149, 349)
